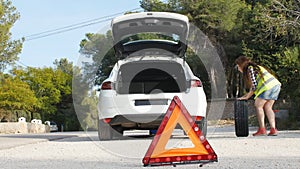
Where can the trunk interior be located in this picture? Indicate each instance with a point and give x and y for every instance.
(151, 77)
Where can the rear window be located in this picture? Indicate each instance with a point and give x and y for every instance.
(151, 77)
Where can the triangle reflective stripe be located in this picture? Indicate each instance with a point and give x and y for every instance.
(157, 153)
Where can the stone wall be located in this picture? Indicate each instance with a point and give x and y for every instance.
(22, 127)
(220, 109)
(224, 109)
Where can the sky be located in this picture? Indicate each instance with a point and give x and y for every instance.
(44, 16)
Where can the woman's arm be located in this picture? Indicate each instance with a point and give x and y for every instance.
(246, 96)
(253, 82)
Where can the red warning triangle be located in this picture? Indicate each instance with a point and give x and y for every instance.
(157, 153)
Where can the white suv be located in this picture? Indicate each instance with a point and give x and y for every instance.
(148, 75)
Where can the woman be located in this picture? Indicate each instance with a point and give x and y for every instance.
(266, 89)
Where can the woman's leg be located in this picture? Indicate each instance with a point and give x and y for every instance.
(268, 108)
(271, 117)
(259, 107)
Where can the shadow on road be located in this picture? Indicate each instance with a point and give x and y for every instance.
(50, 137)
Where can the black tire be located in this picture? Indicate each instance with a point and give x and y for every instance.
(118, 133)
(203, 126)
(104, 131)
(241, 118)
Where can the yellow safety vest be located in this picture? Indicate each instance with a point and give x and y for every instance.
(265, 83)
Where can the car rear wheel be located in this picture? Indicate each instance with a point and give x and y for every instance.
(203, 126)
(108, 132)
(105, 132)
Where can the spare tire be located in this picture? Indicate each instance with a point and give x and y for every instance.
(241, 118)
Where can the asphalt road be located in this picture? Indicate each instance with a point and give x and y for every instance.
(83, 150)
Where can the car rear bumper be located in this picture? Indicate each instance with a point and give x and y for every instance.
(149, 121)
(112, 104)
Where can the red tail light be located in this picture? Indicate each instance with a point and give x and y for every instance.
(196, 83)
(107, 120)
(198, 118)
(107, 86)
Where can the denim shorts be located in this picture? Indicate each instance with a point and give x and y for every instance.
(271, 94)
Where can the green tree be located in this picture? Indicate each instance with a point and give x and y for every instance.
(98, 48)
(16, 97)
(65, 114)
(9, 49)
(90, 121)
(288, 71)
(80, 90)
(275, 26)
(48, 85)
(64, 65)
(272, 39)
(46, 93)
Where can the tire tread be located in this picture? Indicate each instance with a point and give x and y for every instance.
(241, 118)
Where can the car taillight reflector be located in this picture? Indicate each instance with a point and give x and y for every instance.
(107, 86)
(107, 120)
(196, 83)
(198, 118)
